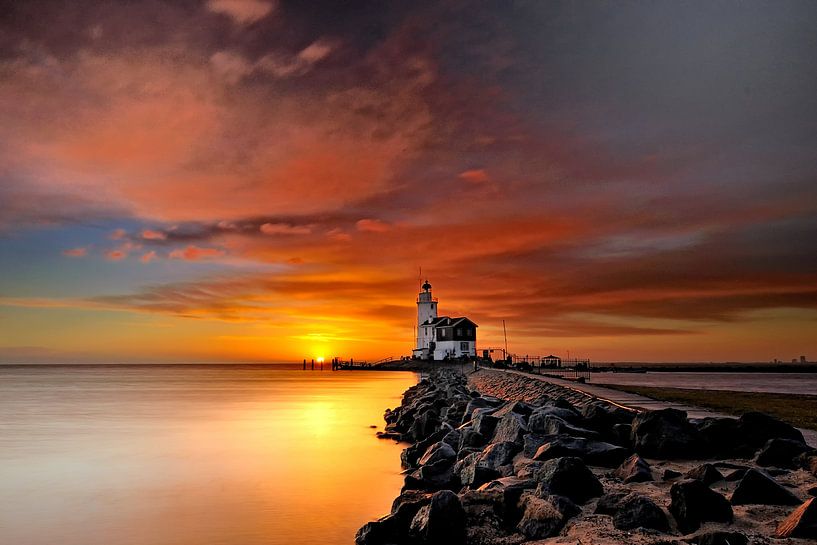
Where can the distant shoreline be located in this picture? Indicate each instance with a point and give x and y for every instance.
(422, 366)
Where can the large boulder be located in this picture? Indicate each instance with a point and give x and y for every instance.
(499, 454)
(569, 477)
(548, 424)
(544, 517)
(757, 428)
(637, 511)
(472, 473)
(706, 473)
(692, 502)
(610, 503)
(442, 521)
(511, 427)
(634, 470)
(510, 490)
(424, 425)
(602, 417)
(802, 522)
(470, 438)
(406, 505)
(484, 422)
(758, 488)
(666, 434)
(384, 531)
(782, 453)
(539, 414)
(595, 453)
(438, 453)
(518, 407)
(724, 438)
(532, 442)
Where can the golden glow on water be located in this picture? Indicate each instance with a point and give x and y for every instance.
(193, 456)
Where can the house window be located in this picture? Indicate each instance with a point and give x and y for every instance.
(442, 333)
(464, 347)
(470, 332)
(459, 332)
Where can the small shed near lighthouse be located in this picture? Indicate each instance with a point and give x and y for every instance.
(442, 337)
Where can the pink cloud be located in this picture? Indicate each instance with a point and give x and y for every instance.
(115, 255)
(118, 234)
(368, 225)
(243, 12)
(148, 257)
(76, 252)
(149, 234)
(285, 229)
(195, 253)
(339, 235)
(475, 176)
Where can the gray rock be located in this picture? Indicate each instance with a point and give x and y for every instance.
(441, 521)
(693, 503)
(611, 502)
(670, 474)
(484, 422)
(406, 505)
(594, 453)
(545, 517)
(782, 453)
(384, 531)
(637, 511)
(436, 453)
(547, 424)
(512, 428)
(472, 473)
(757, 428)
(758, 488)
(634, 470)
(496, 455)
(666, 434)
(569, 477)
(706, 473)
(470, 438)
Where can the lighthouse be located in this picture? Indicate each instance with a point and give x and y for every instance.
(441, 337)
(426, 314)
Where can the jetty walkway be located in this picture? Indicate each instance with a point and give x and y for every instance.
(628, 400)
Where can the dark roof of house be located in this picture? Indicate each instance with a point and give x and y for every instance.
(447, 321)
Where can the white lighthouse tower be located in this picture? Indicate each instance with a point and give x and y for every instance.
(426, 313)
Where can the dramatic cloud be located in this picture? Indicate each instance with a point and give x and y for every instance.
(284, 229)
(76, 252)
(372, 226)
(195, 253)
(632, 180)
(149, 234)
(242, 11)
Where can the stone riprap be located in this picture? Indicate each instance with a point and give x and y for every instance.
(503, 459)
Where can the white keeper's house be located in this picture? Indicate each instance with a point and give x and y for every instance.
(442, 337)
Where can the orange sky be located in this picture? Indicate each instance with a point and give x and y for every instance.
(262, 181)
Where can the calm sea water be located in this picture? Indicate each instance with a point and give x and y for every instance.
(783, 383)
(183, 455)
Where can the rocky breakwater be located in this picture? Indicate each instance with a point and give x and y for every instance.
(553, 466)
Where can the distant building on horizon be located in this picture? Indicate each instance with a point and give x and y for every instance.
(803, 359)
(442, 337)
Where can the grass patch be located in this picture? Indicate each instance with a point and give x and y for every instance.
(796, 409)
